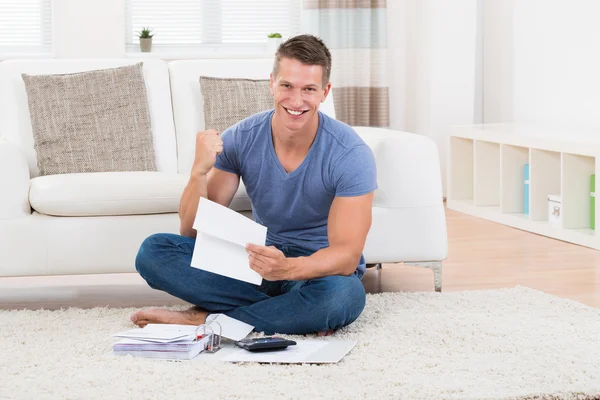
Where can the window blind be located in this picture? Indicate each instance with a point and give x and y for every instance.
(25, 26)
(211, 22)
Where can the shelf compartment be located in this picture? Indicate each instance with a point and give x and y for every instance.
(512, 180)
(557, 166)
(461, 171)
(544, 180)
(576, 173)
(486, 188)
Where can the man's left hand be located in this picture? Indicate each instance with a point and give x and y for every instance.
(269, 262)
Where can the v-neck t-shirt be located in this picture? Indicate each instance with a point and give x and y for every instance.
(294, 206)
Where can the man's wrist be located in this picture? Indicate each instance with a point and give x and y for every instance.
(295, 268)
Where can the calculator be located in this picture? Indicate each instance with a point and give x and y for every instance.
(268, 343)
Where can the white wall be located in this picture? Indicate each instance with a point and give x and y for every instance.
(557, 69)
(397, 42)
(439, 82)
(555, 76)
(88, 28)
(418, 68)
(498, 31)
(453, 69)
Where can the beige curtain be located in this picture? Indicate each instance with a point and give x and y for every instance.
(355, 32)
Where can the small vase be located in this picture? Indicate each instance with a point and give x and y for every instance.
(272, 45)
(146, 45)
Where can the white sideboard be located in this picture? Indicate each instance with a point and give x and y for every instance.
(486, 177)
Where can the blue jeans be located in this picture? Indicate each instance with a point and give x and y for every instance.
(291, 307)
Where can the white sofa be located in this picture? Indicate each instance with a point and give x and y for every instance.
(94, 223)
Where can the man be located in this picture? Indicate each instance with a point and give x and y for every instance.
(310, 179)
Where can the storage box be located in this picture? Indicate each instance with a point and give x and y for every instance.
(554, 209)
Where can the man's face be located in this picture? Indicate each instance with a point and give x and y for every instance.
(297, 91)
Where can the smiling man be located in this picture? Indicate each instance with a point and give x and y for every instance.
(310, 179)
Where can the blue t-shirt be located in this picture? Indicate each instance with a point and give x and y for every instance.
(295, 206)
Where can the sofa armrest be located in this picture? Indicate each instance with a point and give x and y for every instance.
(408, 168)
(408, 206)
(14, 182)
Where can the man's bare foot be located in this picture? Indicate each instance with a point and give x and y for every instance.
(325, 333)
(192, 316)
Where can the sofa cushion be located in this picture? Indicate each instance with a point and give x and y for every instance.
(107, 193)
(92, 121)
(114, 193)
(228, 100)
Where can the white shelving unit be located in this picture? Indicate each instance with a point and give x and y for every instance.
(486, 177)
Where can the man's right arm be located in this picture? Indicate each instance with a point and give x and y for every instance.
(205, 181)
(218, 186)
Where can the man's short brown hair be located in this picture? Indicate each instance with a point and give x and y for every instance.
(307, 49)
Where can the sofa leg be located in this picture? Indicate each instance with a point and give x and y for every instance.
(377, 266)
(436, 267)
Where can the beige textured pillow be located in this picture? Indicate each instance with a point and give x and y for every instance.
(229, 100)
(92, 121)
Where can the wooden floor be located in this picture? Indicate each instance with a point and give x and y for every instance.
(482, 255)
(485, 255)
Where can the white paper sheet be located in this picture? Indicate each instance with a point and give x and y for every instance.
(169, 333)
(230, 328)
(222, 235)
(160, 333)
(305, 351)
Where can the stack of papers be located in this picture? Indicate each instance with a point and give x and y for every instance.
(161, 333)
(185, 349)
(177, 342)
(173, 342)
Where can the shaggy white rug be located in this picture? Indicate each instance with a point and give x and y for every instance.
(493, 344)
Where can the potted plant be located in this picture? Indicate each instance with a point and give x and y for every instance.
(146, 39)
(273, 42)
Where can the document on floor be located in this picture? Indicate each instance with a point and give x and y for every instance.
(304, 352)
(222, 235)
(178, 342)
(230, 328)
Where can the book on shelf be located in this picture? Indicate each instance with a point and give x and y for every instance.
(526, 189)
(593, 201)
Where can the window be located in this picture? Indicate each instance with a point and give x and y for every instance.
(236, 25)
(25, 26)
